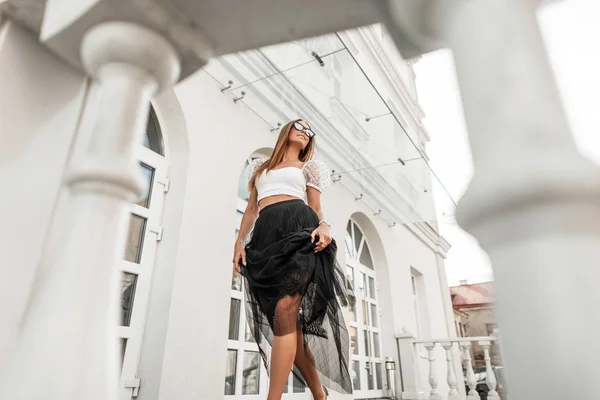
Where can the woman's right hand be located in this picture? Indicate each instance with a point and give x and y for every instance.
(239, 255)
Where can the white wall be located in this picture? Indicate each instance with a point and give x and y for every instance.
(40, 102)
(221, 135)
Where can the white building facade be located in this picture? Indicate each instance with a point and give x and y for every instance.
(182, 326)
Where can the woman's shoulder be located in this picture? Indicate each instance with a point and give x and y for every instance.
(258, 161)
(317, 173)
(316, 166)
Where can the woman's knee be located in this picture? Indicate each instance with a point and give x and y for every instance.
(286, 315)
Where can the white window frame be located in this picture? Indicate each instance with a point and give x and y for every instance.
(353, 261)
(134, 333)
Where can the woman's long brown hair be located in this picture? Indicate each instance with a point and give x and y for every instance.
(279, 152)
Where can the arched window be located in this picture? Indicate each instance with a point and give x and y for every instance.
(137, 264)
(153, 139)
(364, 326)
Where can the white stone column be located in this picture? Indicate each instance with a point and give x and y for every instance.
(433, 379)
(534, 202)
(471, 380)
(68, 346)
(450, 373)
(490, 376)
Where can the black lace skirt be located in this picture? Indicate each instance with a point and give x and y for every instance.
(290, 288)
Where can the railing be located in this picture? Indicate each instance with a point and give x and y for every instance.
(457, 351)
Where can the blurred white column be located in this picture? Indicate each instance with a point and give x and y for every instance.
(534, 202)
(68, 347)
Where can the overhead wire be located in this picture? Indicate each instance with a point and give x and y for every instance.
(395, 117)
(315, 60)
(279, 72)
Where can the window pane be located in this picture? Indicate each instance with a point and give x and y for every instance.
(365, 319)
(153, 137)
(230, 372)
(128, 283)
(379, 376)
(353, 340)
(370, 380)
(298, 385)
(363, 284)
(357, 237)
(352, 311)
(234, 319)
(135, 237)
(348, 247)
(147, 173)
(376, 344)
(249, 336)
(355, 375)
(367, 350)
(251, 373)
(123, 344)
(372, 288)
(236, 282)
(350, 275)
(365, 257)
(374, 316)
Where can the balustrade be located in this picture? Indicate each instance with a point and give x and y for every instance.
(455, 380)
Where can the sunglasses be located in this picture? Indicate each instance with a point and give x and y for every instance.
(299, 127)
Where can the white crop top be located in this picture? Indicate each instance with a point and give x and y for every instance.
(292, 181)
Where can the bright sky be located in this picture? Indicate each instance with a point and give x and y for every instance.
(572, 37)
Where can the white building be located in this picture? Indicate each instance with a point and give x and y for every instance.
(76, 80)
(183, 330)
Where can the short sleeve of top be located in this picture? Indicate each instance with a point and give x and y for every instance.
(317, 174)
(252, 167)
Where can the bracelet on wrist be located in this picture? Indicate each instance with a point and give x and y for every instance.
(324, 222)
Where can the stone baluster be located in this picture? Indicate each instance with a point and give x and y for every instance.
(451, 374)
(433, 380)
(68, 348)
(490, 376)
(471, 379)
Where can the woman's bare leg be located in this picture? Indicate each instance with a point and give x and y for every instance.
(282, 358)
(284, 344)
(305, 362)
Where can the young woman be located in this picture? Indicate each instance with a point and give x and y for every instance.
(290, 270)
